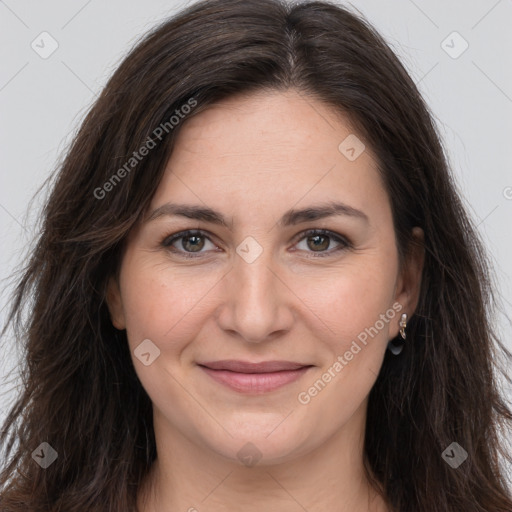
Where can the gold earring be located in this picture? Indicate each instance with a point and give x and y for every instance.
(396, 345)
(403, 325)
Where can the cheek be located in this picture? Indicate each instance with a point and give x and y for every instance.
(357, 307)
(162, 303)
(349, 300)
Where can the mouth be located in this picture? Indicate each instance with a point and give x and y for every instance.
(254, 378)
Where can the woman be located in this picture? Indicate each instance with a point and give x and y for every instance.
(256, 287)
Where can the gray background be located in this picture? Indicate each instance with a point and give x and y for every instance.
(42, 101)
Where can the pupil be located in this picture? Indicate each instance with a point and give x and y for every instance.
(320, 245)
(195, 246)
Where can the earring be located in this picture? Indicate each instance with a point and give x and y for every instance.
(396, 347)
(403, 325)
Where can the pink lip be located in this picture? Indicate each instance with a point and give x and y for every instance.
(254, 377)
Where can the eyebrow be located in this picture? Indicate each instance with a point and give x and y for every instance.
(290, 218)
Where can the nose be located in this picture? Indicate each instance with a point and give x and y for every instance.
(256, 300)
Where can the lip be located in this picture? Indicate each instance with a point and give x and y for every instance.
(254, 378)
(238, 366)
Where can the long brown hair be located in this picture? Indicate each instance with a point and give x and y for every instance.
(80, 391)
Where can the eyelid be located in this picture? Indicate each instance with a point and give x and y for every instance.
(338, 238)
(168, 240)
(321, 231)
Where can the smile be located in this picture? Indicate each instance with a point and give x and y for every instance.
(254, 378)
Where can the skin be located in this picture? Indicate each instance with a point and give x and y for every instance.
(252, 158)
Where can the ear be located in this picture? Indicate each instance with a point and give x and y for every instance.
(115, 304)
(407, 291)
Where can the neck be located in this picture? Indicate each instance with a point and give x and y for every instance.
(188, 477)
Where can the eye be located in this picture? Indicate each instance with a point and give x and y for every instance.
(320, 239)
(193, 241)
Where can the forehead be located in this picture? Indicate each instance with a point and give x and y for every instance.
(269, 151)
(269, 125)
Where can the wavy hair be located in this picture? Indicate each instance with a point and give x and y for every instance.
(80, 392)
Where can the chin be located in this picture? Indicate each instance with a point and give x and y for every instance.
(262, 443)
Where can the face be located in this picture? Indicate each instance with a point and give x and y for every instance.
(320, 294)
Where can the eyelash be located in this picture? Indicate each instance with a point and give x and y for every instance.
(170, 239)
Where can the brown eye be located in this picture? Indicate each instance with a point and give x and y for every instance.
(319, 241)
(187, 242)
(193, 243)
